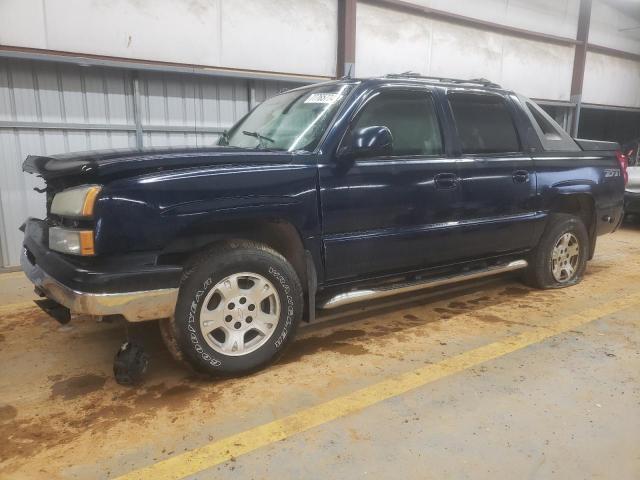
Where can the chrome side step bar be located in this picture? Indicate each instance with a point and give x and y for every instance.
(374, 293)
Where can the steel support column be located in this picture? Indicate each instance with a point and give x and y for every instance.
(346, 38)
(579, 61)
(4, 253)
(251, 95)
(137, 107)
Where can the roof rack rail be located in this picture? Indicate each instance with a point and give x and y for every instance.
(475, 81)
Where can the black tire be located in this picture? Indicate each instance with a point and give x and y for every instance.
(130, 364)
(182, 333)
(540, 274)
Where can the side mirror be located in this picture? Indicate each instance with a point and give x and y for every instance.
(375, 141)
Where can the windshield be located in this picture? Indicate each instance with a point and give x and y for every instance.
(291, 121)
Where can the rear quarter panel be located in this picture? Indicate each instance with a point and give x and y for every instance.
(596, 174)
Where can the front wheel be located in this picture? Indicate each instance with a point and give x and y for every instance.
(560, 259)
(238, 308)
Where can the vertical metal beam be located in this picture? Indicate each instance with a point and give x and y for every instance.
(346, 38)
(251, 95)
(579, 61)
(137, 110)
(4, 252)
(566, 117)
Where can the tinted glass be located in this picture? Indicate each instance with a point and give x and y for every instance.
(410, 116)
(290, 121)
(484, 124)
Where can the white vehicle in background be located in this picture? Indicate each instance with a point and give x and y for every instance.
(632, 191)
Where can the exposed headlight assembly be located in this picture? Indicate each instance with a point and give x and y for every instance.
(75, 242)
(76, 201)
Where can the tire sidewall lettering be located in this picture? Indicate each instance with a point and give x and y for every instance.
(289, 308)
(192, 325)
(194, 333)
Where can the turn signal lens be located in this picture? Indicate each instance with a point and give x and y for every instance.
(90, 201)
(86, 242)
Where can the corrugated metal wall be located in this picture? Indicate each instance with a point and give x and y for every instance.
(48, 108)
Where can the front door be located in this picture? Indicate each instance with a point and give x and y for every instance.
(391, 214)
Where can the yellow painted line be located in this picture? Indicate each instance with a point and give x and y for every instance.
(223, 450)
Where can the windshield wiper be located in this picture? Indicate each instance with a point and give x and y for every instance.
(260, 138)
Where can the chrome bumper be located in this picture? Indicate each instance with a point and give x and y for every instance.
(134, 306)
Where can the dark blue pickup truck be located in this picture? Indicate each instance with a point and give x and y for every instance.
(319, 197)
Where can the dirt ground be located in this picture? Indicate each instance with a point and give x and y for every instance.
(63, 416)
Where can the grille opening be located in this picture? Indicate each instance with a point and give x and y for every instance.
(30, 256)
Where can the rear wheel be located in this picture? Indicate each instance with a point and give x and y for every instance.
(560, 258)
(238, 309)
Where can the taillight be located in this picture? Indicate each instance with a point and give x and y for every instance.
(624, 164)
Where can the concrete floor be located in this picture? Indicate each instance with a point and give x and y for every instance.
(559, 399)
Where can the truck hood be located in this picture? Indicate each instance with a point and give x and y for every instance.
(80, 166)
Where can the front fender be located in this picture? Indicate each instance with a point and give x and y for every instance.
(149, 212)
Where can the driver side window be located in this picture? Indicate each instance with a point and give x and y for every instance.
(411, 118)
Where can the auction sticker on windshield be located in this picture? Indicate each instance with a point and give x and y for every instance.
(325, 98)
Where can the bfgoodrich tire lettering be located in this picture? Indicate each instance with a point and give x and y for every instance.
(238, 260)
(543, 271)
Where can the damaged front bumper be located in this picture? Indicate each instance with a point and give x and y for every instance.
(134, 306)
(39, 263)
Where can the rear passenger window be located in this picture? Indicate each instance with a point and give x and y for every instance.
(411, 117)
(484, 124)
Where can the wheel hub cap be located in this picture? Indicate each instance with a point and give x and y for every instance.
(564, 258)
(239, 314)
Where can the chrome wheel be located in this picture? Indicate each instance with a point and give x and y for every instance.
(240, 313)
(564, 258)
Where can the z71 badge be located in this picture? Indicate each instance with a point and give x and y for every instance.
(611, 172)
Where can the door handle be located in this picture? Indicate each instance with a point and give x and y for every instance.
(446, 181)
(521, 176)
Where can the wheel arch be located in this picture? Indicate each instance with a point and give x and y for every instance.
(277, 233)
(581, 205)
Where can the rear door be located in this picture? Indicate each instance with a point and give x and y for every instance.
(497, 178)
(390, 213)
